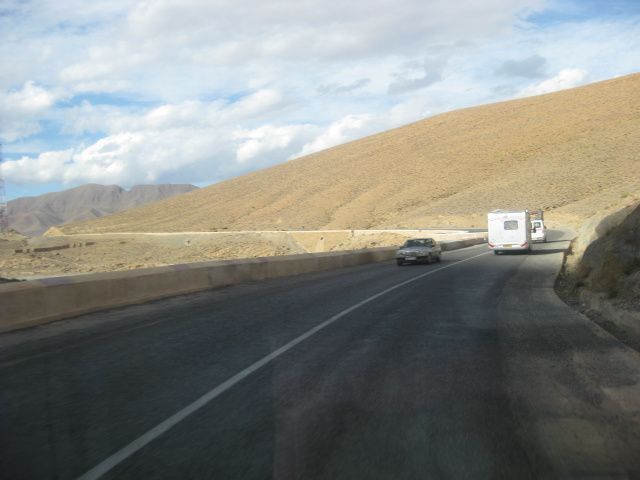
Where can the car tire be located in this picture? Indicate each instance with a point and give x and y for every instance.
(439, 258)
(429, 260)
(399, 262)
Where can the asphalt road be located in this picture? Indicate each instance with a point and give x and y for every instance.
(471, 368)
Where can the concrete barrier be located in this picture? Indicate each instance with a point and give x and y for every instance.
(35, 302)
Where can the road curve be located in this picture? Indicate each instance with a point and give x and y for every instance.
(471, 368)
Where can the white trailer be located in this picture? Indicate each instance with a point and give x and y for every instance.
(509, 231)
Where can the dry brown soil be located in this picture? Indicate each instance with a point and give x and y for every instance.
(601, 274)
(571, 153)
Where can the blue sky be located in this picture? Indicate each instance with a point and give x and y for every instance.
(194, 91)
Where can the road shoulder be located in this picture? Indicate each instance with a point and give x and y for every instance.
(574, 388)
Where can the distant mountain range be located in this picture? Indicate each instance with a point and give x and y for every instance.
(34, 215)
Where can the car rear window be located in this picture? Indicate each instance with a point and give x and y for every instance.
(419, 243)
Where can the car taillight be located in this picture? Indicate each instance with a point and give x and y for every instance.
(491, 245)
(524, 244)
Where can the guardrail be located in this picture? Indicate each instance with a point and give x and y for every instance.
(35, 302)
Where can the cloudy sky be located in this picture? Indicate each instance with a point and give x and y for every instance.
(197, 91)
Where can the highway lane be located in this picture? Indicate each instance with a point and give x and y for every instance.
(420, 382)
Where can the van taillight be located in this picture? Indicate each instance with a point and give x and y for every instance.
(491, 245)
(524, 244)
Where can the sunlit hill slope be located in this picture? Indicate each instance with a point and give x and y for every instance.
(571, 153)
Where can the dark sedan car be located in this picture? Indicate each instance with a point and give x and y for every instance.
(419, 250)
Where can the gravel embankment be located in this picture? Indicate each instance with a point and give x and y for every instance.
(601, 275)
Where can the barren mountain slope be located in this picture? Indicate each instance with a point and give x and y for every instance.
(569, 152)
(34, 215)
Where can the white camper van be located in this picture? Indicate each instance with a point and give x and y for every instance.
(509, 231)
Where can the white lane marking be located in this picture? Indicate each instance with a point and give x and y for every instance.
(125, 452)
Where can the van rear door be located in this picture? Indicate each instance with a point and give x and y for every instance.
(508, 230)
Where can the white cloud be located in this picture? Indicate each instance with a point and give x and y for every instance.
(158, 151)
(269, 138)
(21, 109)
(41, 169)
(255, 105)
(566, 78)
(190, 140)
(173, 49)
(199, 90)
(29, 100)
(186, 114)
(345, 129)
(316, 28)
(124, 158)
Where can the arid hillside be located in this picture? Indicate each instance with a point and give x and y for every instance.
(34, 215)
(601, 274)
(571, 153)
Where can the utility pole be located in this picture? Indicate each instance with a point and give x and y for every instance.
(4, 214)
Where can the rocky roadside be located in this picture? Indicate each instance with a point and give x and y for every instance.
(601, 273)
